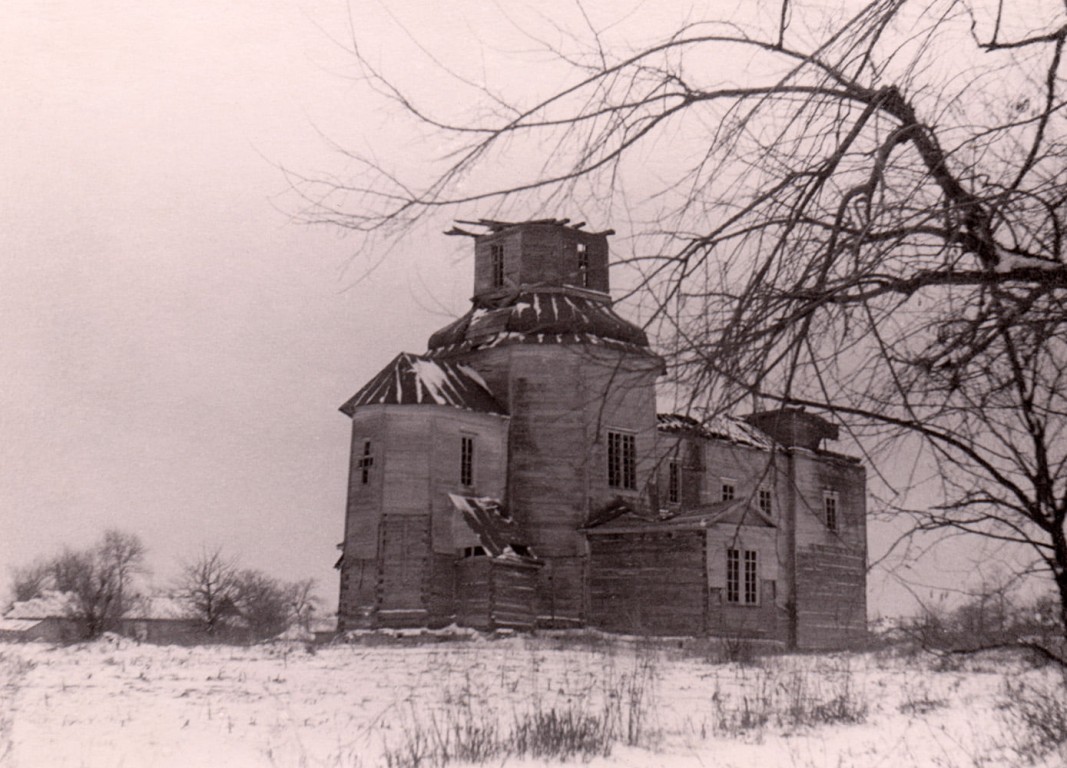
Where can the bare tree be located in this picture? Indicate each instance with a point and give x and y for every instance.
(209, 587)
(264, 602)
(861, 214)
(120, 557)
(304, 603)
(30, 581)
(225, 597)
(101, 579)
(98, 580)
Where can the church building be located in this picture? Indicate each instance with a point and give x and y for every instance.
(516, 475)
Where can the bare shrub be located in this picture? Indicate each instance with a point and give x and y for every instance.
(793, 695)
(918, 701)
(585, 727)
(562, 733)
(1037, 713)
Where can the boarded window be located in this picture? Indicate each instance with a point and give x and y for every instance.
(622, 460)
(729, 490)
(496, 260)
(466, 460)
(742, 576)
(366, 461)
(674, 482)
(583, 266)
(766, 506)
(829, 505)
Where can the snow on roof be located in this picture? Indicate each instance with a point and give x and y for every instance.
(18, 625)
(718, 427)
(414, 380)
(47, 605)
(54, 604)
(542, 316)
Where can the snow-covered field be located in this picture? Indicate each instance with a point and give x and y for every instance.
(116, 703)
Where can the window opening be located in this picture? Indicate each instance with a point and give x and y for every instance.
(729, 490)
(366, 461)
(742, 577)
(674, 482)
(496, 257)
(829, 504)
(622, 460)
(764, 500)
(583, 266)
(751, 592)
(466, 460)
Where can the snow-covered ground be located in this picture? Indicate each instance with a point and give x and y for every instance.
(116, 703)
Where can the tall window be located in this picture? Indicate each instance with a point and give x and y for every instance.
(366, 461)
(496, 260)
(466, 460)
(622, 460)
(765, 504)
(674, 481)
(830, 506)
(583, 266)
(729, 490)
(742, 577)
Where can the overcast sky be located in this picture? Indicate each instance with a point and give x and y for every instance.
(174, 346)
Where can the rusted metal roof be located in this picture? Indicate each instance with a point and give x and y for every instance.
(415, 380)
(497, 530)
(540, 317)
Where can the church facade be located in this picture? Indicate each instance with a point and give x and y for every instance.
(517, 474)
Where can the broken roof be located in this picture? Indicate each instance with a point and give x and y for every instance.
(540, 317)
(629, 520)
(495, 225)
(497, 530)
(718, 427)
(415, 380)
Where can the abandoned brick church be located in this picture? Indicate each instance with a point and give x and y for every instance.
(517, 474)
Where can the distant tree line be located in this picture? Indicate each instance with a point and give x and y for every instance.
(100, 585)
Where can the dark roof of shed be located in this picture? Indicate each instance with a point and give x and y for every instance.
(540, 317)
(415, 380)
(625, 519)
(497, 530)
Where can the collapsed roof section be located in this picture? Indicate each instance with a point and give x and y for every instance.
(415, 380)
(540, 317)
(497, 530)
(717, 428)
(623, 518)
(494, 226)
